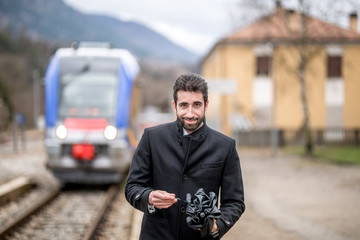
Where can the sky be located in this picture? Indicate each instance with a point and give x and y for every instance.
(198, 24)
(194, 24)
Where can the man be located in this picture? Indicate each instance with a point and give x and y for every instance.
(177, 158)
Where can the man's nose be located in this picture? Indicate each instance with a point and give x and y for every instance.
(190, 112)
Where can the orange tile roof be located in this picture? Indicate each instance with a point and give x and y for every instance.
(285, 25)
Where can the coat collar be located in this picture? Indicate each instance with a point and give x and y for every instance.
(199, 134)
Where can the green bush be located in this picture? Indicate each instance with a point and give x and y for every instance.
(336, 154)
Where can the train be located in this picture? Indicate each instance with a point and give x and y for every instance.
(90, 90)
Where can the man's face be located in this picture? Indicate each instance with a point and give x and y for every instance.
(190, 109)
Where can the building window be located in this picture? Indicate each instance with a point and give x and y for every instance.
(263, 65)
(334, 66)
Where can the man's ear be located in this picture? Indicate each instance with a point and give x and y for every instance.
(174, 105)
(206, 104)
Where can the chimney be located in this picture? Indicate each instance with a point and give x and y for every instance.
(353, 18)
(292, 21)
(278, 4)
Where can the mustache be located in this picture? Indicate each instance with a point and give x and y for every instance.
(194, 118)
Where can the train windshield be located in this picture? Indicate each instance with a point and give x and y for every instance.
(88, 88)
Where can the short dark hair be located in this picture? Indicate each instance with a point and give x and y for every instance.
(190, 82)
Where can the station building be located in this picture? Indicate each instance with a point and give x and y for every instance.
(258, 69)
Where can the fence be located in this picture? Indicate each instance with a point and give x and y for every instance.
(283, 137)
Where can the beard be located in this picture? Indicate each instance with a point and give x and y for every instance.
(191, 127)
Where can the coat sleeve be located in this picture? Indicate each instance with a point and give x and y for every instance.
(232, 204)
(139, 182)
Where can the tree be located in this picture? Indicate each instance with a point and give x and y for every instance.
(6, 107)
(20, 55)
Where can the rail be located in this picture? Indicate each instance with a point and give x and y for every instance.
(106, 204)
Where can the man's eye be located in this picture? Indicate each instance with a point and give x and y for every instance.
(182, 105)
(197, 105)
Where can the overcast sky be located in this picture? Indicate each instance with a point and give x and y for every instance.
(193, 24)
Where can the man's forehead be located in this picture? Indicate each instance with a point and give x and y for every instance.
(187, 96)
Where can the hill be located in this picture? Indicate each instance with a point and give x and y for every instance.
(57, 22)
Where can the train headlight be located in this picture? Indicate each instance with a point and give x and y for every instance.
(61, 131)
(110, 132)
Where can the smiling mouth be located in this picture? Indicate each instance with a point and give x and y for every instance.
(190, 120)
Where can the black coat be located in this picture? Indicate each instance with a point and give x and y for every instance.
(167, 160)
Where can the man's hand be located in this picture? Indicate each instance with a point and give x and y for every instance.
(214, 227)
(161, 199)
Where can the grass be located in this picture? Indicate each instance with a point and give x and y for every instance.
(335, 154)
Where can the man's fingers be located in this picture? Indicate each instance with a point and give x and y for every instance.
(163, 199)
(163, 205)
(164, 195)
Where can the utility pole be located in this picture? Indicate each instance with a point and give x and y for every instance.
(36, 96)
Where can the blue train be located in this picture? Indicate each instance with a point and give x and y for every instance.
(89, 92)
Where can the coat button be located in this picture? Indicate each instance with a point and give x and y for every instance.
(137, 197)
(182, 209)
(185, 177)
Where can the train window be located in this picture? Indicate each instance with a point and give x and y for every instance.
(90, 94)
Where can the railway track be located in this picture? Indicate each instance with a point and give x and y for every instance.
(44, 198)
(72, 213)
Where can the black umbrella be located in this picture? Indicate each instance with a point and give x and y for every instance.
(201, 211)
